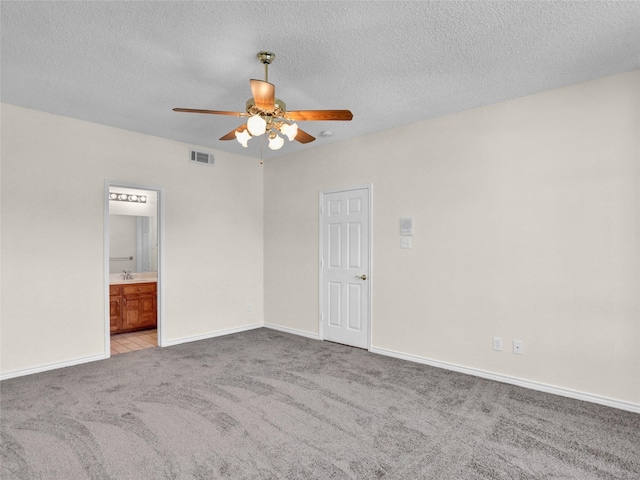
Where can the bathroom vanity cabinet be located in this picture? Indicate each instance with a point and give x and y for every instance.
(133, 306)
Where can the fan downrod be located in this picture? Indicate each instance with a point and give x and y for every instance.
(266, 58)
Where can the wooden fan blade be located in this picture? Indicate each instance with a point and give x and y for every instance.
(232, 134)
(214, 112)
(264, 94)
(309, 115)
(303, 137)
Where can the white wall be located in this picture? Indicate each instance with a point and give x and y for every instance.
(526, 218)
(52, 194)
(526, 221)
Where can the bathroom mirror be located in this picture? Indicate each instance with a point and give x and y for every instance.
(133, 234)
(133, 244)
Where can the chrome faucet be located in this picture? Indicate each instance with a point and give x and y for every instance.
(127, 275)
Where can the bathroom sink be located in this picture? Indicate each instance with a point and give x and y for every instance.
(135, 280)
(116, 279)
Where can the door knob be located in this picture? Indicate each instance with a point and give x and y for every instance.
(362, 277)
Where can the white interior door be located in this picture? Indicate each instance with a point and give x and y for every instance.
(345, 264)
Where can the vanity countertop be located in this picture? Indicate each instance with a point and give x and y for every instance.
(146, 277)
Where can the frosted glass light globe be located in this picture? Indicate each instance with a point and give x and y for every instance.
(290, 130)
(256, 125)
(243, 137)
(276, 142)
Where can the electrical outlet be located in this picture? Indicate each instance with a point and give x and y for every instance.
(405, 242)
(518, 347)
(249, 307)
(497, 343)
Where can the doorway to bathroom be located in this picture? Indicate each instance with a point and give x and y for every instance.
(133, 267)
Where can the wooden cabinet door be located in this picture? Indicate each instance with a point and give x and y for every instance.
(114, 314)
(148, 311)
(139, 311)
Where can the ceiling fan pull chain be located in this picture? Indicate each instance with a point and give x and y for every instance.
(261, 145)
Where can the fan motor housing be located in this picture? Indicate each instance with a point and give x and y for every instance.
(279, 105)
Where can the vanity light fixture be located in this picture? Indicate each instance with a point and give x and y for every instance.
(126, 197)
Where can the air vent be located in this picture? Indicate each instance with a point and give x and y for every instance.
(202, 158)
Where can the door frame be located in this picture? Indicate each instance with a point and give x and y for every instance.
(369, 283)
(160, 290)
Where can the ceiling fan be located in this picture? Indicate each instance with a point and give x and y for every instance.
(268, 114)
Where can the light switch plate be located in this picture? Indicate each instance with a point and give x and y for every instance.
(405, 242)
(406, 226)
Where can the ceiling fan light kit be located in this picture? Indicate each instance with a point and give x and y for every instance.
(256, 125)
(268, 114)
(275, 142)
(243, 137)
(290, 130)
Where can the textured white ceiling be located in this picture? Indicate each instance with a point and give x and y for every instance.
(127, 64)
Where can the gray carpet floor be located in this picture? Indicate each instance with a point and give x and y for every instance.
(268, 405)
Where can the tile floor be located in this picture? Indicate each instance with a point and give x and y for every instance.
(129, 342)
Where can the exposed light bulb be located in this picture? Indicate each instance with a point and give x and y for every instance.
(256, 125)
(243, 137)
(127, 197)
(290, 130)
(275, 142)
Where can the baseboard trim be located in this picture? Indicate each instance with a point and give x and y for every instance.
(52, 366)
(293, 331)
(219, 333)
(542, 387)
